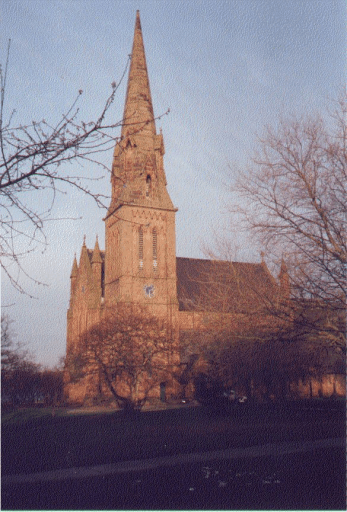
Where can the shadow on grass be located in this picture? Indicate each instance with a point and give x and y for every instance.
(313, 480)
(34, 440)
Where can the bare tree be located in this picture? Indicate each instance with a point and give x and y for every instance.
(12, 352)
(52, 386)
(253, 336)
(293, 200)
(36, 158)
(128, 353)
(266, 362)
(35, 165)
(270, 332)
(20, 377)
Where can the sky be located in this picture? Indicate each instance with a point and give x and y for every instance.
(224, 68)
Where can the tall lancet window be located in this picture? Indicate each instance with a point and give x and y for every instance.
(155, 249)
(148, 185)
(140, 248)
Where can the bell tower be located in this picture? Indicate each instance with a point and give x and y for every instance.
(140, 253)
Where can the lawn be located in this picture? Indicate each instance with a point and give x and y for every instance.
(35, 440)
(313, 481)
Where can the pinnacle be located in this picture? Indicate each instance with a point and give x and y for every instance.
(84, 252)
(138, 22)
(74, 270)
(138, 111)
(96, 258)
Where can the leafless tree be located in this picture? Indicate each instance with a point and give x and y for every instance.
(35, 158)
(264, 363)
(52, 386)
(126, 352)
(36, 164)
(292, 326)
(12, 352)
(253, 336)
(20, 377)
(293, 201)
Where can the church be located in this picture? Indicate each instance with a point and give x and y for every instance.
(139, 265)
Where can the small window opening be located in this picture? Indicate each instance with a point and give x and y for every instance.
(155, 249)
(140, 249)
(148, 185)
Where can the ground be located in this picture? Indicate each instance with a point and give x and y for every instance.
(314, 479)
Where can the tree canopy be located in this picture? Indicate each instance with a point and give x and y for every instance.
(128, 354)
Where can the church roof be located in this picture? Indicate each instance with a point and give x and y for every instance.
(220, 286)
(223, 286)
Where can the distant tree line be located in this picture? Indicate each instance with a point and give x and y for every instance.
(264, 365)
(24, 382)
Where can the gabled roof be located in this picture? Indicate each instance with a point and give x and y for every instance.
(223, 286)
(220, 286)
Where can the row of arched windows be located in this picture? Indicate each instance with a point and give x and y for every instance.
(154, 249)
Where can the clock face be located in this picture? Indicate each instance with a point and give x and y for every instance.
(149, 290)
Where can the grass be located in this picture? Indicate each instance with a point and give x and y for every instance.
(34, 440)
(313, 481)
(27, 414)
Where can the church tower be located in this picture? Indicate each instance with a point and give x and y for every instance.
(140, 253)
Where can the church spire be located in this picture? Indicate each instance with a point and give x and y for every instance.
(138, 176)
(138, 111)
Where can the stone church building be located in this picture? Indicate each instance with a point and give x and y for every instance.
(139, 265)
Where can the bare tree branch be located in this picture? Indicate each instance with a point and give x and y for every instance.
(126, 355)
(294, 200)
(36, 159)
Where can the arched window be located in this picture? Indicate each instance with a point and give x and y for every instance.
(148, 185)
(155, 249)
(140, 248)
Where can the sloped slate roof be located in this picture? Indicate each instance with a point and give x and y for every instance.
(229, 287)
(220, 286)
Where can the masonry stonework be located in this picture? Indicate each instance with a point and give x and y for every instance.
(139, 267)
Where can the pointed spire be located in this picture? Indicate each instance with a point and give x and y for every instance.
(138, 111)
(74, 270)
(96, 257)
(84, 258)
(138, 157)
(73, 280)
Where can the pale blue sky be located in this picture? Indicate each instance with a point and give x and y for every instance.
(224, 68)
